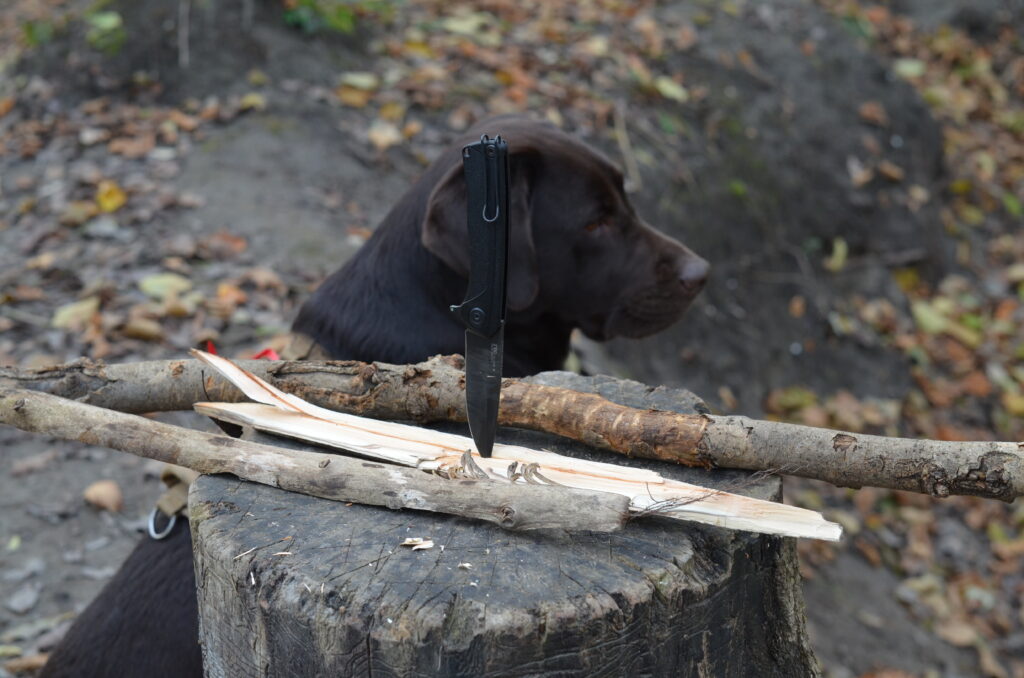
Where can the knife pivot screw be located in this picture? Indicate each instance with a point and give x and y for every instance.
(477, 316)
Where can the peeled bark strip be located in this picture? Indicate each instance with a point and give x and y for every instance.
(519, 507)
(434, 390)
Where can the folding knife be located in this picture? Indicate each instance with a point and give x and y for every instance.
(485, 165)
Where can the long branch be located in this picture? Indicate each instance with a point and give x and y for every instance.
(515, 507)
(435, 390)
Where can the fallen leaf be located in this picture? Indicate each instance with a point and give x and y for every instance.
(257, 78)
(891, 171)
(860, 174)
(670, 89)
(1014, 403)
(837, 260)
(955, 632)
(182, 307)
(595, 46)
(797, 306)
(33, 463)
(264, 279)
(976, 384)
(360, 80)
(909, 68)
(109, 196)
(41, 262)
(27, 664)
(468, 24)
(253, 101)
(232, 294)
(6, 106)
(411, 129)
(22, 293)
(183, 120)
(917, 196)
(928, 320)
(1014, 273)
(1012, 205)
(160, 286)
(76, 314)
(78, 212)
(874, 113)
(145, 329)
(686, 38)
(383, 134)
(353, 97)
(105, 494)
(790, 399)
(89, 136)
(392, 111)
(222, 245)
(988, 663)
(133, 147)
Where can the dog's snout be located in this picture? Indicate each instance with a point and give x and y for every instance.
(693, 273)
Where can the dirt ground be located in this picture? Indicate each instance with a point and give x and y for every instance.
(275, 168)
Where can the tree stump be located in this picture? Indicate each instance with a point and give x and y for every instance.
(290, 585)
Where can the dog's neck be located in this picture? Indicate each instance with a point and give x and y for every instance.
(391, 301)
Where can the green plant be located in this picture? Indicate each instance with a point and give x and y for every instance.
(37, 32)
(315, 15)
(339, 16)
(106, 31)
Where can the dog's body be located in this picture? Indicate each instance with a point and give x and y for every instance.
(143, 624)
(580, 257)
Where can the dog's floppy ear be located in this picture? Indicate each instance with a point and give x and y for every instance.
(445, 234)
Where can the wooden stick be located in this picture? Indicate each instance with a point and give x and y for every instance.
(515, 507)
(434, 390)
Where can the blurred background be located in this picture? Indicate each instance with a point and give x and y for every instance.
(180, 171)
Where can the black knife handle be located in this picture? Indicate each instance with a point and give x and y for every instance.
(485, 165)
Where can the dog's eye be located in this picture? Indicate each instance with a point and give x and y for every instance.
(599, 225)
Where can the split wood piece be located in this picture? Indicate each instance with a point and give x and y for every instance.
(438, 452)
(320, 475)
(434, 390)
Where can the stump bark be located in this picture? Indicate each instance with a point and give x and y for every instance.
(290, 585)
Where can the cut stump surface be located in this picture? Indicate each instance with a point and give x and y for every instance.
(290, 585)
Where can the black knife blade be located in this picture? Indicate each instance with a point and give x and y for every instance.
(485, 165)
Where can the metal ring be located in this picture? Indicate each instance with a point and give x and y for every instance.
(497, 211)
(153, 534)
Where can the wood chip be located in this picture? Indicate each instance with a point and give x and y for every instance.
(418, 543)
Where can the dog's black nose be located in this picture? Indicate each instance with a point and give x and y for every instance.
(693, 273)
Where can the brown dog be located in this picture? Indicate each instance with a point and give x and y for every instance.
(580, 257)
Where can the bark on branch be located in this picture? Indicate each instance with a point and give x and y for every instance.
(515, 507)
(435, 390)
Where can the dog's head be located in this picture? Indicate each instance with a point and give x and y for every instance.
(578, 247)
